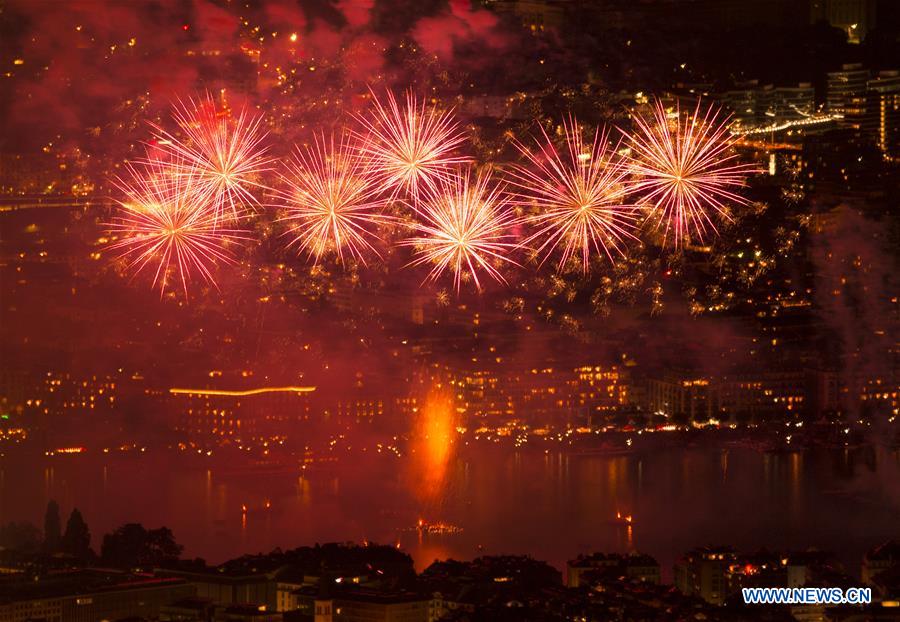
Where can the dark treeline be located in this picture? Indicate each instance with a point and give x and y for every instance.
(129, 546)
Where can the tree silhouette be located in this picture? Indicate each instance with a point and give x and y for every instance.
(52, 528)
(132, 545)
(77, 539)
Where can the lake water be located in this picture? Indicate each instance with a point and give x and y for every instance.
(551, 506)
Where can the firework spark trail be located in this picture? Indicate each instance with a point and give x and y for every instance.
(410, 145)
(225, 155)
(686, 170)
(332, 201)
(165, 222)
(580, 194)
(466, 228)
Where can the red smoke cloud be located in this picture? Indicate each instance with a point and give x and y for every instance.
(460, 24)
(356, 12)
(84, 61)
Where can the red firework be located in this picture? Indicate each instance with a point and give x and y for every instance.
(465, 229)
(686, 170)
(225, 155)
(410, 145)
(332, 202)
(580, 195)
(165, 224)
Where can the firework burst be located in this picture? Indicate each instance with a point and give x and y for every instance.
(225, 155)
(165, 225)
(686, 170)
(580, 193)
(465, 229)
(410, 145)
(332, 203)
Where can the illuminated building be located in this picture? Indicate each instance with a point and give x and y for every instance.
(59, 393)
(744, 102)
(360, 408)
(44, 178)
(634, 566)
(702, 572)
(598, 391)
(682, 395)
(497, 392)
(754, 106)
(57, 405)
(715, 574)
(824, 392)
(323, 610)
(804, 566)
(483, 394)
(767, 395)
(868, 103)
(361, 606)
(883, 112)
(763, 395)
(846, 94)
(259, 414)
(880, 397)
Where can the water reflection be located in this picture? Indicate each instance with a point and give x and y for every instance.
(550, 505)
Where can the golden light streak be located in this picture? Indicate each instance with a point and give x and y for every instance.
(244, 393)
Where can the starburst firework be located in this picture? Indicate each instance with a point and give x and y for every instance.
(465, 228)
(580, 193)
(332, 203)
(686, 170)
(410, 145)
(225, 155)
(165, 223)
